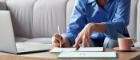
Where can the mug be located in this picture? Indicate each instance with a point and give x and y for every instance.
(125, 43)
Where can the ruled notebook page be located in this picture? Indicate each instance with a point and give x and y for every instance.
(81, 49)
(88, 55)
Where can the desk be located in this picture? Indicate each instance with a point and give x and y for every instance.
(50, 56)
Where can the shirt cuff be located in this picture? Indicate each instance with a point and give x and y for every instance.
(111, 31)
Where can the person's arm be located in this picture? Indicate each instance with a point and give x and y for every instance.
(120, 19)
(77, 21)
(110, 28)
(76, 24)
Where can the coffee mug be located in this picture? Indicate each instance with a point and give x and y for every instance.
(125, 43)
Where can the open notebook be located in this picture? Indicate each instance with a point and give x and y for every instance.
(80, 55)
(81, 49)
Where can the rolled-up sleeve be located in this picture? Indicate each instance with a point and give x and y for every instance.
(77, 21)
(120, 19)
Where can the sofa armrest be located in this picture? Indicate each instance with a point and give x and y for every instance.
(3, 5)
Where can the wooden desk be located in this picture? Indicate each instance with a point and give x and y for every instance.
(50, 56)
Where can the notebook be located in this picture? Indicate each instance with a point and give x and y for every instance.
(90, 49)
(81, 49)
(57, 50)
(80, 55)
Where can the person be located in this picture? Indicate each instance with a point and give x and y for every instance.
(95, 23)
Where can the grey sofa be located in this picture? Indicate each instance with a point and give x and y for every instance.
(37, 20)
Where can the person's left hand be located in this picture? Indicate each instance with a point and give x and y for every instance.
(84, 36)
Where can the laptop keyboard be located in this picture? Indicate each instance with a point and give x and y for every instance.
(21, 47)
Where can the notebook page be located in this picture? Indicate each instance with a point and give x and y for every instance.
(91, 49)
(57, 50)
(88, 55)
(81, 49)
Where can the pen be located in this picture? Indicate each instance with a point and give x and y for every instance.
(59, 34)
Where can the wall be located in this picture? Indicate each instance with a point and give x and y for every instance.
(132, 28)
(138, 21)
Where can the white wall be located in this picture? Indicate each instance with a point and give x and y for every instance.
(133, 22)
(138, 21)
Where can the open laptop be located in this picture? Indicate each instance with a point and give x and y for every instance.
(7, 39)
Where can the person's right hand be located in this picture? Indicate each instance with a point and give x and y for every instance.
(58, 39)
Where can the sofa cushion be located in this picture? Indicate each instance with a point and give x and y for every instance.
(22, 14)
(2, 5)
(48, 14)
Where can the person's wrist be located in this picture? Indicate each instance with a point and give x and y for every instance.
(66, 42)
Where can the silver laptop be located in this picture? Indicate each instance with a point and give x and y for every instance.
(7, 39)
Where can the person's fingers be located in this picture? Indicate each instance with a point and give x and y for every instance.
(57, 40)
(89, 42)
(77, 41)
(54, 39)
(83, 41)
(56, 45)
(58, 37)
(76, 46)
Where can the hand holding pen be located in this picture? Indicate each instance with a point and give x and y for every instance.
(57, 39)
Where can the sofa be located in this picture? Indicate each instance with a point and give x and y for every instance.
(38, 20)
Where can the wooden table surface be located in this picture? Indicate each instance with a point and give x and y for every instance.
(52, 56)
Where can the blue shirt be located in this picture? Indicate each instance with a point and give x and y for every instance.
(115, 16)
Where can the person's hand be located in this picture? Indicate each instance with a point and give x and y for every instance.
(84, 36)
(58, 39)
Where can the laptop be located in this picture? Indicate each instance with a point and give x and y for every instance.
(7, 38)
